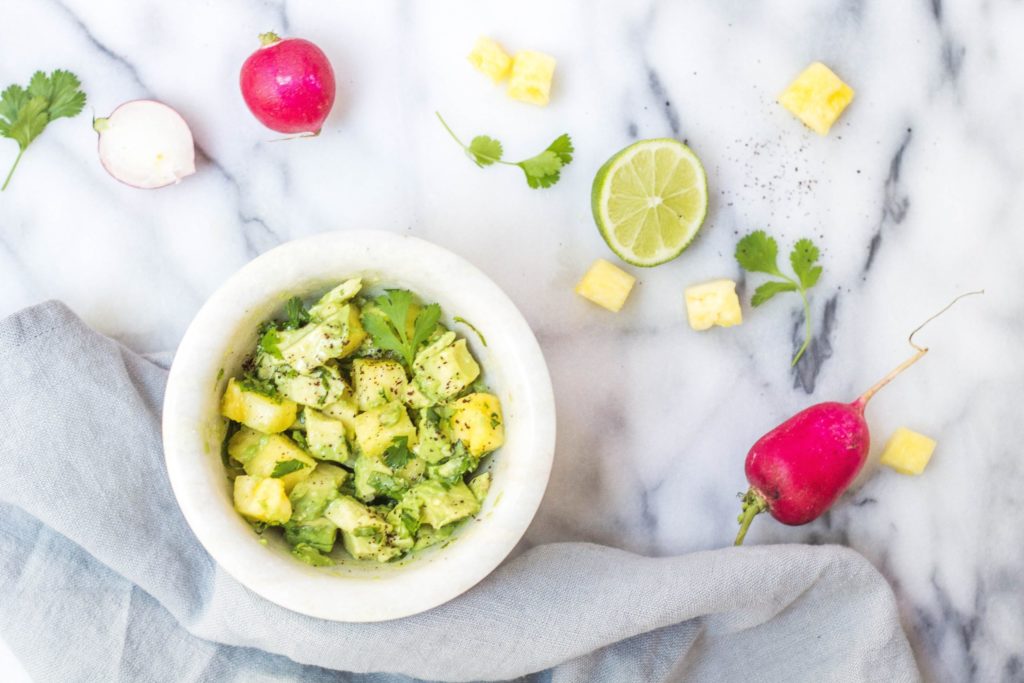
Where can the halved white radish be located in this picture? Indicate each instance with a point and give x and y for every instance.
(146, 144)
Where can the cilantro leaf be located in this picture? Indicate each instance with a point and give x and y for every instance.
(484, 150)
(298, 314)
(284, 467)
(758, 253)
(387, 320)
(397, 454)
(250, 382)
(270, 341)
(803, 257)
(25, 113)
(770, 289)
(542, 170)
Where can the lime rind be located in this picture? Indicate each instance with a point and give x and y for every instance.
(637, 181)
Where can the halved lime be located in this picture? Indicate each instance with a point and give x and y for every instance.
(650, 200)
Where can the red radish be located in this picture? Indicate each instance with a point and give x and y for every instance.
(146, 144)
(288, 85)
(797, 470)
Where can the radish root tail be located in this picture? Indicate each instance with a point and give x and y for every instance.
(920, 351)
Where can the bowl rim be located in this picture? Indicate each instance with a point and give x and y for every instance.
(398, 591)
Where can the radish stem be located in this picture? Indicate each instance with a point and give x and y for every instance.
(753, 505)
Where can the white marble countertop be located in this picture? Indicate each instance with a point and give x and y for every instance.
(917, 195)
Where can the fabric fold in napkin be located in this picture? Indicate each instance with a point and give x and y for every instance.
(104, 581)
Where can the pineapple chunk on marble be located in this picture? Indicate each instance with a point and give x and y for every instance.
(531, 77)
(908, 452)
(713, 303)
(817, 97)
(490, 59)
(606, 285)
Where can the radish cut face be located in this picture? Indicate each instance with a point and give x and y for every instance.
(146, 144)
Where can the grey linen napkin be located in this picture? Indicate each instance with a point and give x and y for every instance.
(102, 580)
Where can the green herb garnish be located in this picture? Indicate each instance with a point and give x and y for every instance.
(250, 382)
(387, 323)
(298, 314)
(542, 170)
(758, 253)
(270, 341)
(25, 112)
(460, 319)
(397, 454)
(284, 467)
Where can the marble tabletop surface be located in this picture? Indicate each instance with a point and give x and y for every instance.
(916, 195)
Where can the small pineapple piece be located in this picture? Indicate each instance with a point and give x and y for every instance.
(276, 452)
(817, 97)
(531, 77)
(256, 411)
(908, 452)
(606, 285)
(490, 59)
(262, 500)
(713, 303)
(476, 421)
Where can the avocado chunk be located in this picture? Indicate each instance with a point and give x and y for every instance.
(311, 556)
(443, 506)
(333, 301)
(319, 533)
(476, 421)
(432, 445)
(323, 386)
(245, 444)
(376, 382)
(345, 410)
(256, 410)
(444, 368)
(377, 428)
(364, 533)
(311, 496)
(281, 458)
(317, 343)
(480, 485)
(326, 437)
(261, 499)
(429, 536)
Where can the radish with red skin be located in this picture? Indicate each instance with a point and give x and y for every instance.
(799, 469)
(288, 85)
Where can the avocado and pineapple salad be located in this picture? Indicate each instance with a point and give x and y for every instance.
(363, 417)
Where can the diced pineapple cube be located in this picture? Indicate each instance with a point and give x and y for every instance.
(255, 410)
(377, 382)
(476, 421)
(713, 303)
(262, 500)
(908, 452)
(377, 428)
(281, 458)
(531, 77)
(490, 59)
(817, 97)
(606, 285)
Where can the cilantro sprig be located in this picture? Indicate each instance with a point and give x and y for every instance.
(397, 454)
(25, 112)
(758, 253)
(542, 170)
(387, 323)
(284, 467)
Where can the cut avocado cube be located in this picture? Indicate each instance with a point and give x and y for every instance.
(444, 368)
(376, 382)
(245, 444)
(480, 485)
(257, 411)
(323, 386)
(377, 428)
(432, 445)
(477, 422)
(261, 499)
(345, 410)
(319, 533)
(333, 301)
(335, 337)
(364, 533)
(282, 457)
(326, 437)
(443, 506)
(311, 496)
(429, 536)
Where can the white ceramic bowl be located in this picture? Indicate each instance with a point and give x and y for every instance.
(224, 333)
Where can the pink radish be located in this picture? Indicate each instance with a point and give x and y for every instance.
(797, 470)
(288, 85)
(146, 144)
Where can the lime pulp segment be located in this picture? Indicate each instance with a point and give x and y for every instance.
(649, 201)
